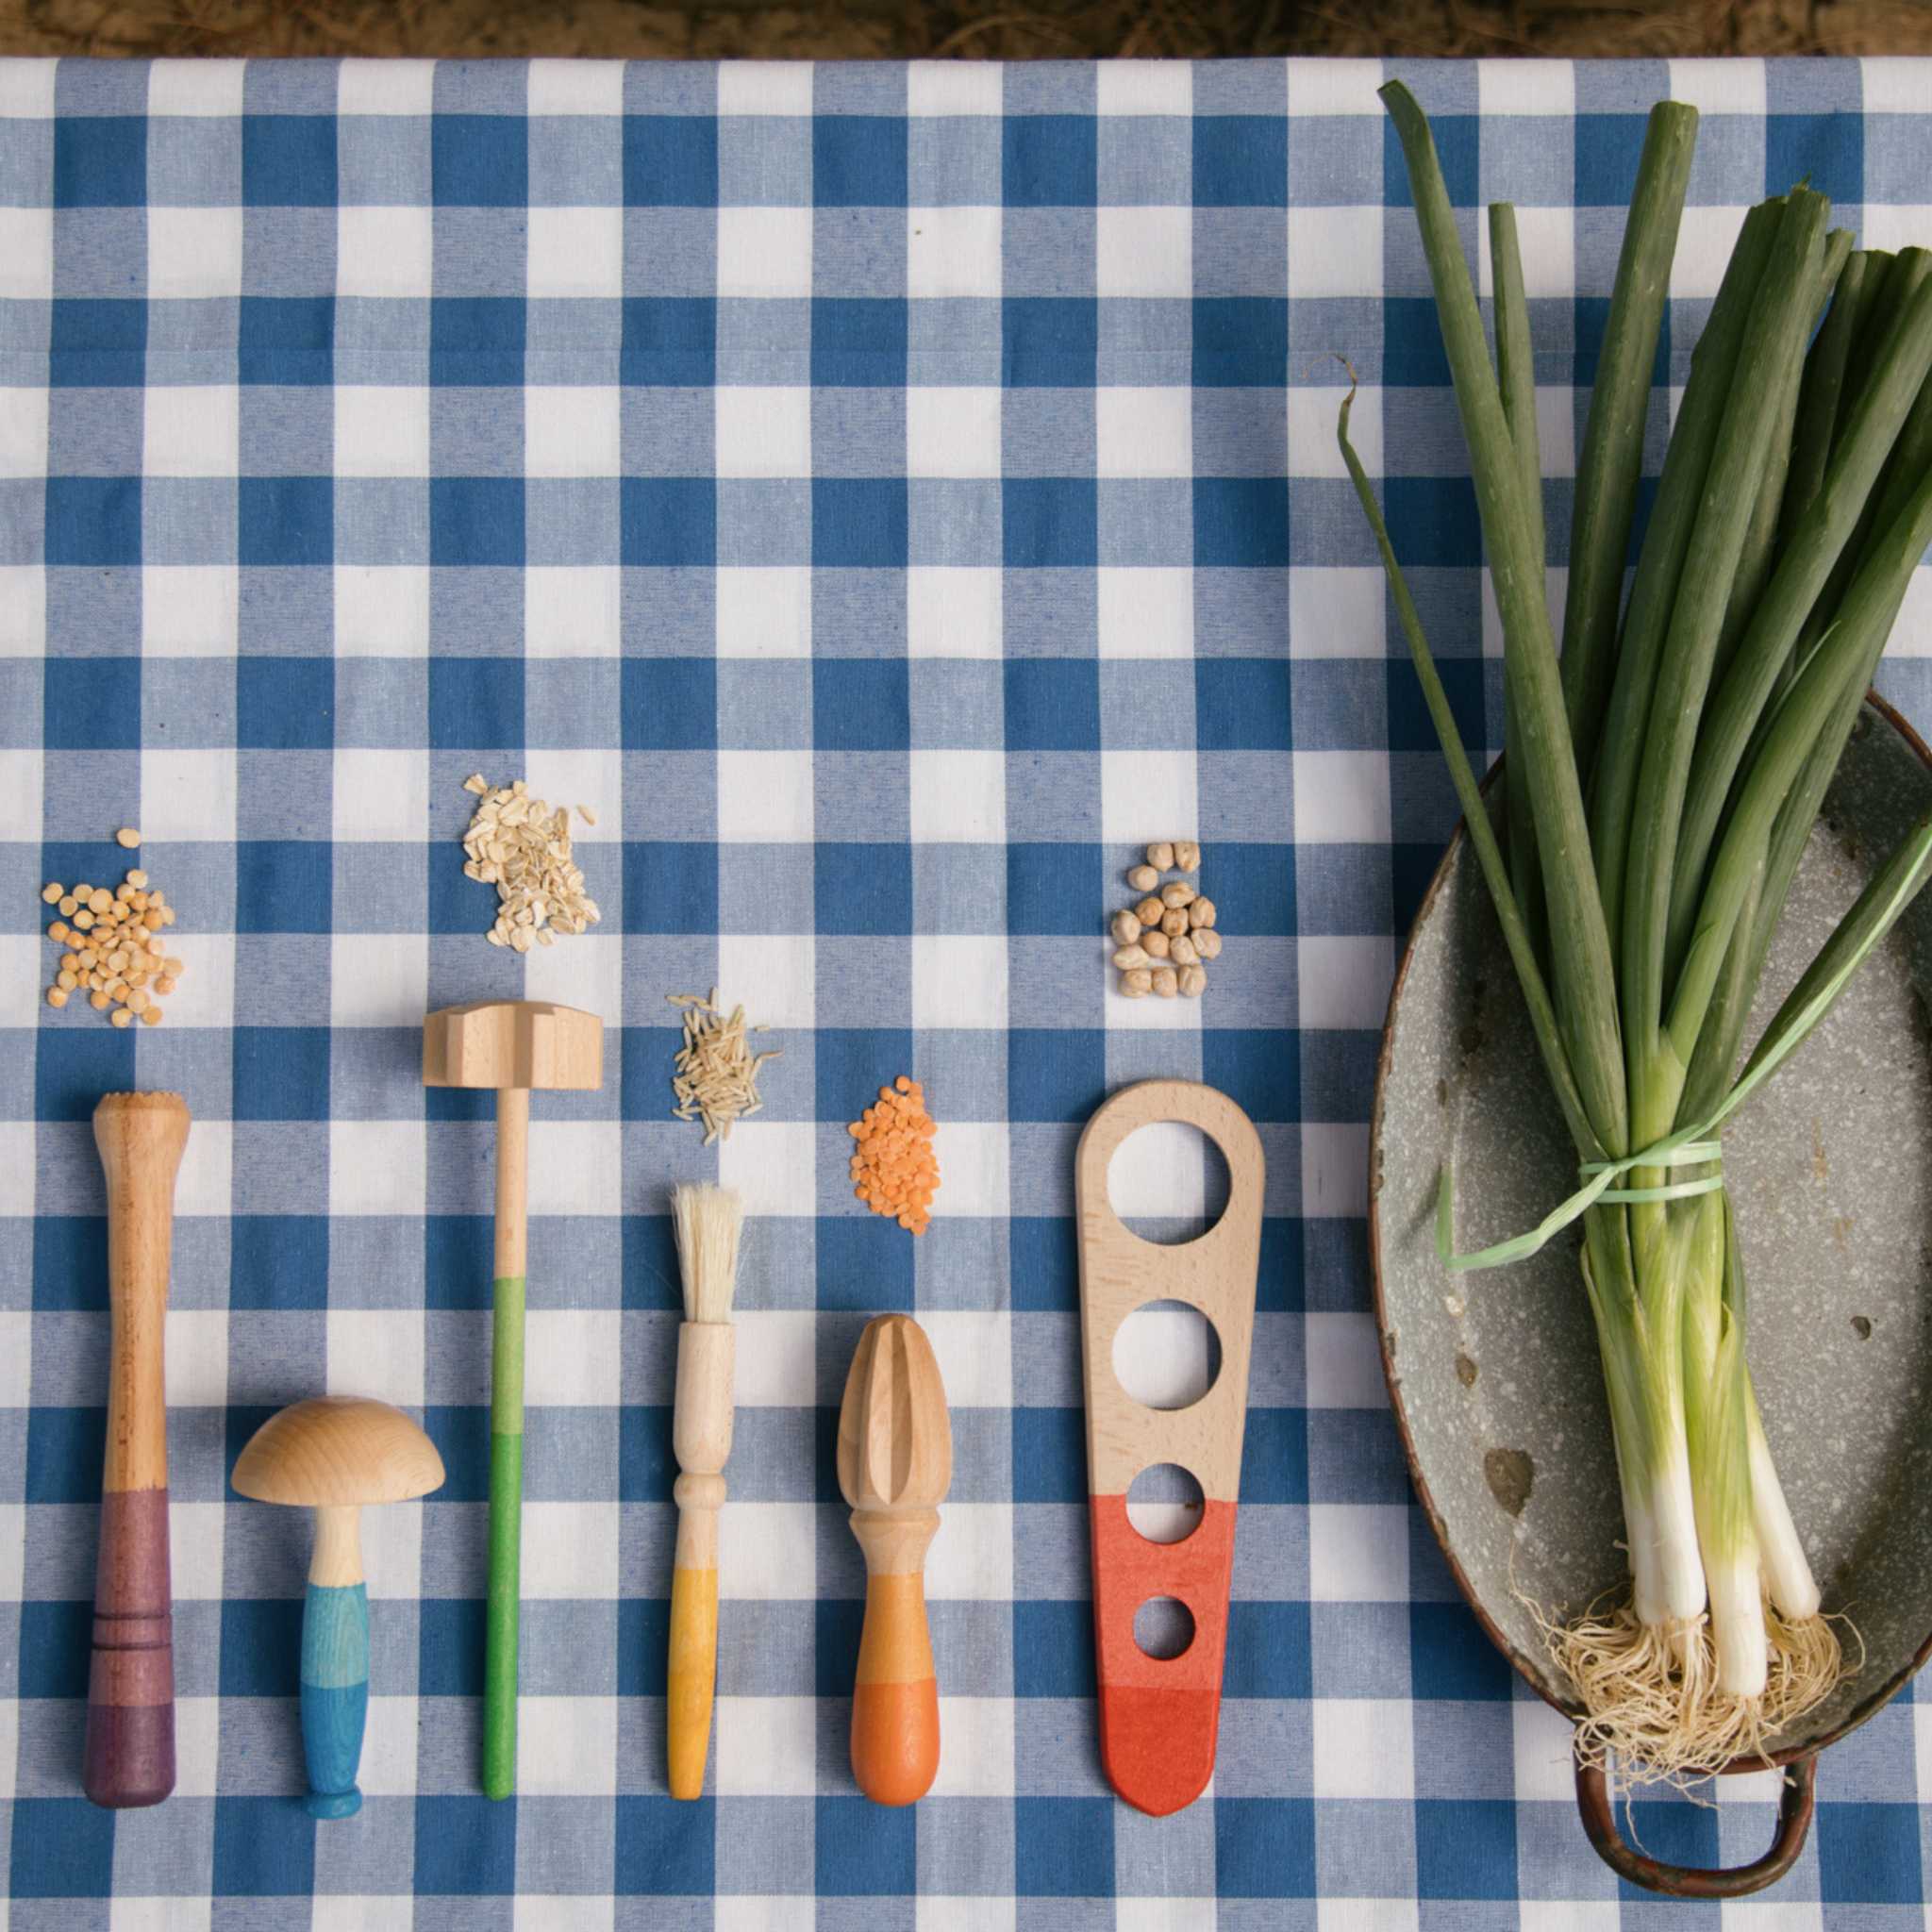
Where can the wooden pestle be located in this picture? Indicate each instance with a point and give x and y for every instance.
(895, 1464)
(130, 1696)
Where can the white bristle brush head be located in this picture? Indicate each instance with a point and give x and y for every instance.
(708, 1219)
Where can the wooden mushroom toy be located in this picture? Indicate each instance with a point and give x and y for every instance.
(334, 1454)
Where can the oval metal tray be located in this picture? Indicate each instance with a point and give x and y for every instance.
(1494, 1376)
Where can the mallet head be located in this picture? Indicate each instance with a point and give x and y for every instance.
(498, 1044)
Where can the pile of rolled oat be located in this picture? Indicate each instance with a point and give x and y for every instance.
(518, 845)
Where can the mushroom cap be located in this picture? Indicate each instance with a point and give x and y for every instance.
(338, 1449)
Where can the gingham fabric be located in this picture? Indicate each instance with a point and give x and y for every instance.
(887, 496)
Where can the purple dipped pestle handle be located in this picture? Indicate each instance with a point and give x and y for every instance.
(130, 1695)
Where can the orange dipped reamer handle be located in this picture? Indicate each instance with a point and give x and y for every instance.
(896, 1700)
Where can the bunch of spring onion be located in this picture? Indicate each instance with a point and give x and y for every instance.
(1662, 779)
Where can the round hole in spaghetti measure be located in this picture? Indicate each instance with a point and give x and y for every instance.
(1165, 1504)
(1164, 1628)
(1166, 1355)
(1168, 1182)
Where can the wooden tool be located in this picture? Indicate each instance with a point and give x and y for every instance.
(512, 1046)
(1158, 1717)
(334, 1454)
(895, 1464)
(130, 1693)
(708, 1221)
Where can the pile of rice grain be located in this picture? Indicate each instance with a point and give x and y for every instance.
(717, 1074)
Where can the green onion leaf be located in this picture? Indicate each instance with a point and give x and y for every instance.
(1612, 457)
(1585, 989)
(1773, 338)
(1516, 382)
(1811, 551)
(1666, 540)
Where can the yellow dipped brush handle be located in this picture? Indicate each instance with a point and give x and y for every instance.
(701, 1439)
(692, 1673)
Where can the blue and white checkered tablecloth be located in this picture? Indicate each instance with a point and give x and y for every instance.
(888, 495)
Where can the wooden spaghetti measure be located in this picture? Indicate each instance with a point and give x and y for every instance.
(1159, 1716)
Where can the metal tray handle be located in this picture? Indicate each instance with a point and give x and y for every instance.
(1796, 1805)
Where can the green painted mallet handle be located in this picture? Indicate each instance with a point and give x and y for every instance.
(505, 1444)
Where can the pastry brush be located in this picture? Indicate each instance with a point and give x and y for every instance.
(708, 1221)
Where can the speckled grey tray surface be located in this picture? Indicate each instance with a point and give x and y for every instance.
(1830, 1171)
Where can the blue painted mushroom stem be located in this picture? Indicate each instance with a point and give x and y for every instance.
(334, 1694)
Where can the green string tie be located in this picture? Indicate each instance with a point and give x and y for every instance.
(1688, 1147)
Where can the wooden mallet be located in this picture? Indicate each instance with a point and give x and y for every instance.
(130, 1693)
(512, 1046)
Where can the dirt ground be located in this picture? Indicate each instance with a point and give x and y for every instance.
(982, 29)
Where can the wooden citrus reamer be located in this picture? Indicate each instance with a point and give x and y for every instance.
(1160, 1717)
(512, 1046)
(895, 1464)
(130, 1694)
